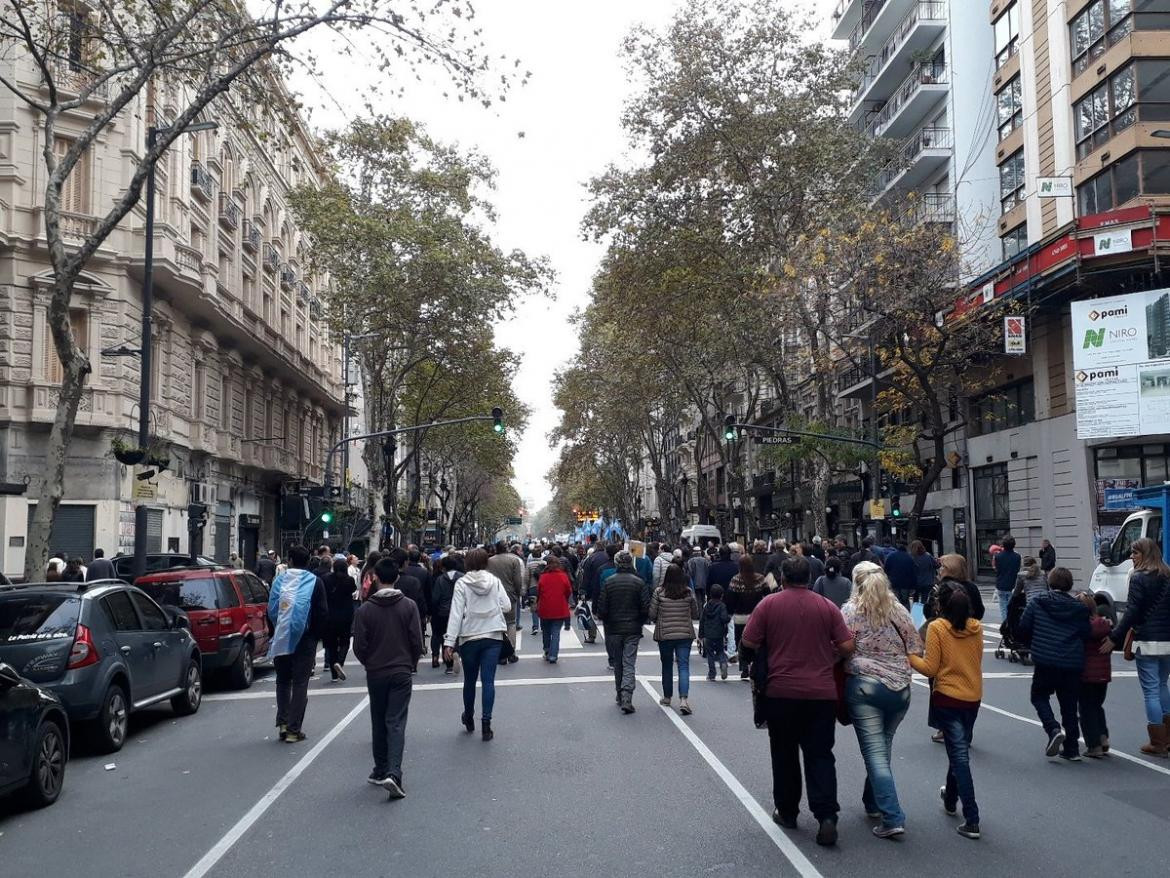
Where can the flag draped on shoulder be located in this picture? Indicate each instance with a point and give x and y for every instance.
(289, 603)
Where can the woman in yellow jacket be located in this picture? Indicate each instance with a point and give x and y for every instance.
(954, 659)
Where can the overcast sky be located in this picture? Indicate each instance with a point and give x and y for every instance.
(570, 115)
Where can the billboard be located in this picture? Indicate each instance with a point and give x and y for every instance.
(1121, 365)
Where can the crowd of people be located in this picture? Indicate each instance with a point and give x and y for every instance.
(826, 634)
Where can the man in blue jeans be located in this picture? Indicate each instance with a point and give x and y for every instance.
(1007, 568)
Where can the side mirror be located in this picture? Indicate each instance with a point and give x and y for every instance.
(1106, 556)
(8, 677)
(177, 618)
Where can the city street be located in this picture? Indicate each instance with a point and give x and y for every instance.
(572, 787)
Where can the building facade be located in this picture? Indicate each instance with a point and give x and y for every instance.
(246, 383)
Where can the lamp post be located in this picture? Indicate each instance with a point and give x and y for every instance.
(144, 389)
(346, 338)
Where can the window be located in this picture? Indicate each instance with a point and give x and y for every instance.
(1100, 25)
(1011, 108)
(1007, 35)
(199, 391)
(27, 618)
(1011, 181)
(1106, 111)
(1004, 408)
(121, 611)
(153, 618)
(992, 517)
(227, 594)
(1145, 172)
(156, 368)
(81, 31)
(75, 188)
(50, 363)
(1015, 241)
(1155, 174)
(186, 594)
(225, 403)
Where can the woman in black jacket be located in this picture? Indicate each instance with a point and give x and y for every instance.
(952, 575)
(448, 571)
(339, 588)
(1147, 614)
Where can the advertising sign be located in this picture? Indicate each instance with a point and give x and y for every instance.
(1121, 365)
(1117, 495)
(1054, 187)
(1107, 243)
(1014, 336)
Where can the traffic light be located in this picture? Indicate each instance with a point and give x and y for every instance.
(896, 507)
(326, 516)
(729, 428)
(498, 419)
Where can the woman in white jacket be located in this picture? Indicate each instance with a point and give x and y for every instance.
(477, 628)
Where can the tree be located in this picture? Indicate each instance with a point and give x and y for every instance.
(96, 60)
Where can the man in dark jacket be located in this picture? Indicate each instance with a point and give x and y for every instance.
(266, 567)
(1056, 625)
(102, 567)
(1007, 568)
(865, 553)
(723, 570)
(388, 643)
(591, 572)
(624, 606)
(299, 616)
(406, 583)
(1047, 556)
(902, 573)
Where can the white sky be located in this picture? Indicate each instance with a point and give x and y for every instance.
(570, 113)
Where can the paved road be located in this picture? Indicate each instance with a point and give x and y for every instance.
(571, 787)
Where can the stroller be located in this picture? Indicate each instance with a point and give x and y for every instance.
(1011, 645)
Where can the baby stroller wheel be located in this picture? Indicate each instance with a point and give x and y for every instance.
(999, 653)
(1025, 658)
(1012, 658)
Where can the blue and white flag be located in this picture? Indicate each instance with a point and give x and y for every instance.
(289, 603)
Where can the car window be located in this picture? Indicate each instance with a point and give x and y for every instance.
(153, 618)
(186, 594)
(227, 592)
(121, 612)
(1154, 531)
(33, 617)
(1125, 540)
(254, 591)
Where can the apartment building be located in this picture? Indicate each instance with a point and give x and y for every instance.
(246, 383)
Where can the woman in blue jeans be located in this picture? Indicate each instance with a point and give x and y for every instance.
(877, 690)
(1147, 614)
(477, 628)
(673, 609)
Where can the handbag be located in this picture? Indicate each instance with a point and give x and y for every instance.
(1127, 647)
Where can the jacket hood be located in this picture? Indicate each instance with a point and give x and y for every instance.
(973, 629)
(479, 581)
(1061, 606)
(386, 596)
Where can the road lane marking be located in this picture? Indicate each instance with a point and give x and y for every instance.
(787, 847)
(225, 844)
(1113, 751)
(418, 687)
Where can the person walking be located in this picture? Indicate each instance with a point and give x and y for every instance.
(509, 569)
(713, 632)
(1147, 615)
(1007, 567)
(388, 642)
(744, 593)
(477, 627)
(697, 568)
(673, 609)
(553, 592)
(877, 690)
(832, 584)
(266, 567)
(952, 576)
(802, 635)
(450, 568)
(902, 572)
(368, 581)
(1047, 556)
(662, 561)
(1095, 681)
(299, 613)
(101, 567)
(644, 565)
(623, 607)
(1032, 581)
(339, 597)
(1056, 625)
(954, 660)
(925, 570)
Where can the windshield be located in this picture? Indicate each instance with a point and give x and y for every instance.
(35, 617)
(186, 594)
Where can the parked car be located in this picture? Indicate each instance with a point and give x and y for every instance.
(34, 739)
(155, 561)
(228, 610)
(106, 649)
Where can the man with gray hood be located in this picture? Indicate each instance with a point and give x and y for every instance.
(388, 643)
(624, 607)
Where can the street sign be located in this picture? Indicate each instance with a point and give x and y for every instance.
(1054, 187)
(776, 439)
(145, 491)
(515, 520)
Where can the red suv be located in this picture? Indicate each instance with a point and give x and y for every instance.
(228, 611)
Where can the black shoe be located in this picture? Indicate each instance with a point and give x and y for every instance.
(393, 786)
(780, 820)
(291, 737)
(627, 707)
(488, 734)
(1055, 743)
(968, 830)
(376, 778)
(618, 697)
(951, 808)
(827, 833)
(468, 722)
(512, 659)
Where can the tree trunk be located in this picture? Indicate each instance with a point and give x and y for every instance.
(929, 476)
(818, 495)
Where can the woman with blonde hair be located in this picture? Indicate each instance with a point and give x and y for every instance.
(952, 576)
(877, 690)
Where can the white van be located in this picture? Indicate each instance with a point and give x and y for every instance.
(702, 535)
(1110, 581)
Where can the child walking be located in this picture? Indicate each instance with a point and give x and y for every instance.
(713, 632)
(1095, 682)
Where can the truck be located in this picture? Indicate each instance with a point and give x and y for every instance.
(1110, 580)
(703, 535)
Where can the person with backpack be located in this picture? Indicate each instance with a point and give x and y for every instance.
(1056, 626)
(713, 632)
(450, 569)
(744, 593)
(673, 609)
(1147, 616)
(623, 606)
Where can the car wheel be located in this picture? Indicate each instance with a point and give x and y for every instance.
(188, 701)
(48, 769)
(242, 672)
(113, 720)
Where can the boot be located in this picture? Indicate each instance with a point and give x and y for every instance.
(1166, 726)
(1158, 739)
(488, 734)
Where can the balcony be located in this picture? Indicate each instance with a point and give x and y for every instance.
(72, 79)
(201, 183)
(917, 32)
(271, 258)
(316, 311)
(229, 211)
(935, 207)
(919, 92)
(288, 277)
(252, 236)
(924, 153)
(76, 226)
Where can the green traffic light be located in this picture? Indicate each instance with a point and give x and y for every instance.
(498, 419)
(499, 428)
(326, 516)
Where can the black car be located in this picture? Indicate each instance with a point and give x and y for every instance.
(156, 561)
(34, 739)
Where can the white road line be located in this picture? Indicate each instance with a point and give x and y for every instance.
(786, 846)
(418, 687)
(1137, 760)
(213, 856)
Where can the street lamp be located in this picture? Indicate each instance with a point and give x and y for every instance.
(140, 510)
